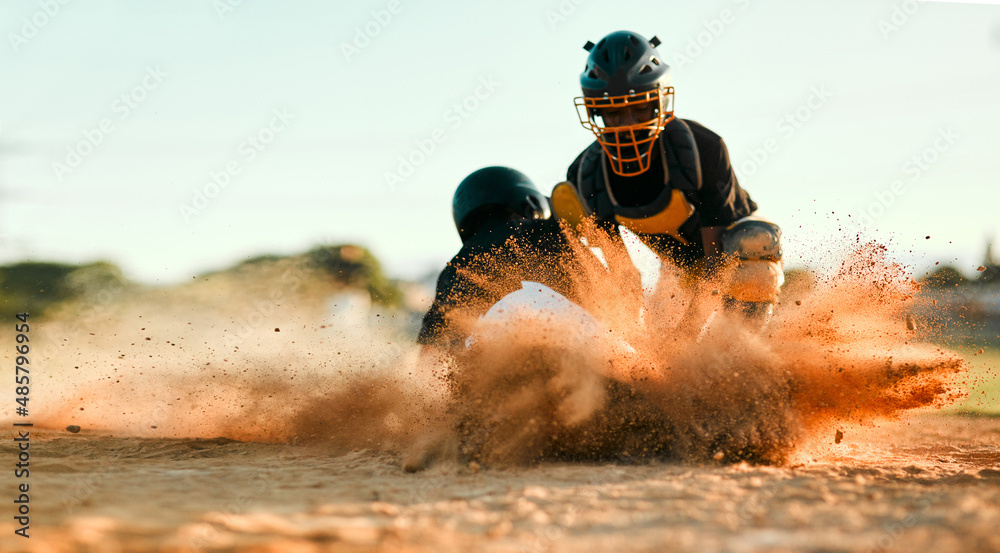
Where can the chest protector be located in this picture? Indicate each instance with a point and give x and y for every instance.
(670, 213)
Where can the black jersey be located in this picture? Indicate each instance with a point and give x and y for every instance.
(711, 187)
(491, 265)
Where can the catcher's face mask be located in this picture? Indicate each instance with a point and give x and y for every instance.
(627, 126)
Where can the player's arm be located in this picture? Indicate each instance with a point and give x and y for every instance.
(722, 199)
(433, 322)
(458, 296)
(435, 328)
(698, 311)
(711, 239)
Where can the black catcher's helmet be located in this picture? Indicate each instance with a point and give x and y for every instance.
(625, 72)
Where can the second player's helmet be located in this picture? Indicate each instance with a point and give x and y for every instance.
(494, 193)
(628, 98)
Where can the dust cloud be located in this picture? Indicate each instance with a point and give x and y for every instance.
(256, 358)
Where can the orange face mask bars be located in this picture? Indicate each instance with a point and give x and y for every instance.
(628, 147)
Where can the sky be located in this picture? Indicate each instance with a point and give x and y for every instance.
(182, 136)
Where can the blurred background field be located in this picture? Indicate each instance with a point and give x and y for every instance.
(958, 311)
(965, 311)
(49, 289)
(983, 382)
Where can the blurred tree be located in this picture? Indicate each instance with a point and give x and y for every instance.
(35, 286)
(353, 265)
(991, 268)
(945, 276)
(95, 279)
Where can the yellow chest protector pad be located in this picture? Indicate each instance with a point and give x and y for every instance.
(592, 196)
(567, 206)
(667, 221)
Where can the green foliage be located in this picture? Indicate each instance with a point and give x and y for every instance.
(89, 281)
(982, 382)
(944, 276)
(356, 266)
(35, 286)
(267, 258)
